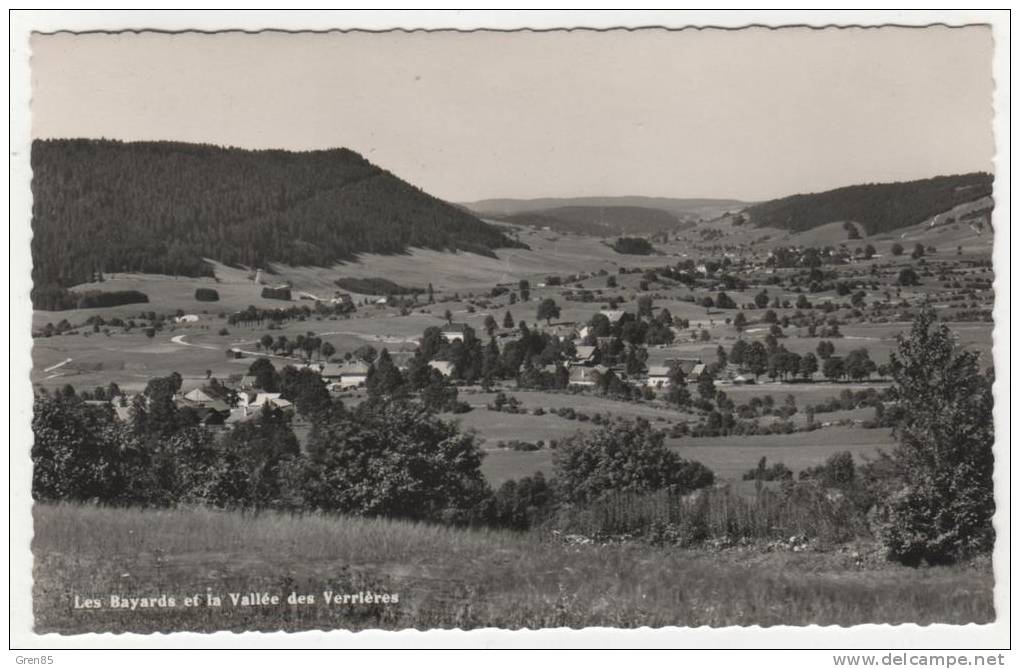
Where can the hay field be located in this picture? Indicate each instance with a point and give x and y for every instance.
(447, 578)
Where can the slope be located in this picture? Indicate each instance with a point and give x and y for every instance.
(161, 207)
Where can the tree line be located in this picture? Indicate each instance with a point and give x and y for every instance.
(162, 207)
(877, 207)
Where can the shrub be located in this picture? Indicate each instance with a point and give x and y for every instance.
(623, 456)
(521, 504)
(207, 295)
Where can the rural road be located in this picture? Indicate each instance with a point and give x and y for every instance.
(179, 339)
(57, 366)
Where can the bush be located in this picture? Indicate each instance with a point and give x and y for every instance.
(521, 504)
(801, 510)
(623, 456)
(777, 472)
(207, 295)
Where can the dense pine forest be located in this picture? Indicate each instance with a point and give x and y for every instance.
(161, 207)
(878, 207)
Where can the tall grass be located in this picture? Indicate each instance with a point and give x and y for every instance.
(717, 514)
(456, 578)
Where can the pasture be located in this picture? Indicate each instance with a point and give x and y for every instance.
(729, 457)
(445, 577)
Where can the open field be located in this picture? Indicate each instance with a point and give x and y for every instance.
(454, 578)
(728, 457)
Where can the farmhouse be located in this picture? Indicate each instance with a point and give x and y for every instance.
(329, 371)
(349, 375)
(453, 332)
(585, 355)
(562, 331)
(444, 367)
(613, 314)
(253, 400)
(198, 396)
(687, 365)
(658, 377)
(584, 376)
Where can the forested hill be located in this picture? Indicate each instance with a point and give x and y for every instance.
(878, 207)
(161, 207)
(600, 221)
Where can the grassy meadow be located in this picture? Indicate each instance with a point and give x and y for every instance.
(453, 578)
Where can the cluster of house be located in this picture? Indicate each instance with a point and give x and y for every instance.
(583, 369)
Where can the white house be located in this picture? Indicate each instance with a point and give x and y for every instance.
(453, 332)
(612, 314)
(584, 376)
(349, 375)
(444, 367)
(585, 354)
(658, 377)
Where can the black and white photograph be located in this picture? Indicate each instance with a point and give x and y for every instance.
(378, 330)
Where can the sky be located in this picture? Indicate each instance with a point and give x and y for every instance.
(749, 114)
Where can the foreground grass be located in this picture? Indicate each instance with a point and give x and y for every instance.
(453, 578)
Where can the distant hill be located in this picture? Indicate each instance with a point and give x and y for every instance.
(161, 207)
(680, 207)
(879, 208)
(600, 221)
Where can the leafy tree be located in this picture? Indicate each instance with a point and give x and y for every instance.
(490, 325)
(859, 364)
(808, 365)
(305, 388)
(644, 306)
(944, 508)
(253, 456)
(756, 358)
(907, 277)
(384, 379)
(76, 452)
(524, 287)
(739, 322)
(393, 459)
(896, 249)
(548, 310)
(724, 301)
(622, 456)
(706, 386)
(834, 368)
(738, 351)
(520, 504)
(266, 377)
